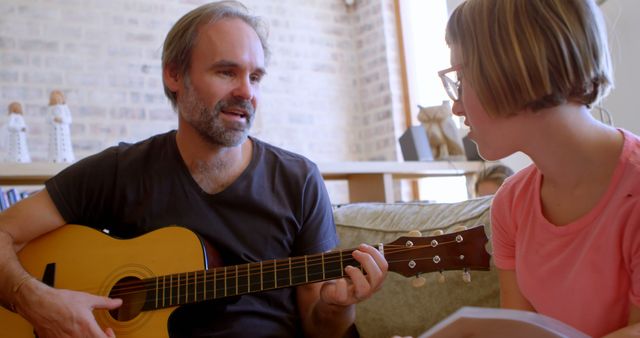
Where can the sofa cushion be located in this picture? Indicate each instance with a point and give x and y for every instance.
(399, 308)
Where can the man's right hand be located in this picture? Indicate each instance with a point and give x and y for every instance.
(62, 313)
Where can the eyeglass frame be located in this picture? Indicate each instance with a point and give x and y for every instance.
(452, 88)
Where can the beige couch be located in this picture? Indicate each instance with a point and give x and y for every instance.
(399, 308)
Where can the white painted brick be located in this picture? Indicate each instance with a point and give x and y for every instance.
(8, 76)
(39, 12)
(11, 59)
(127, 81)
(333, 91)
(42, 76)
(106, 97)
(38, 45)
(127, 113)
(63, 62)
(89, 50)
(86, 79)
(162, 114)
(19, 93)
(87, 112)
(17, 28)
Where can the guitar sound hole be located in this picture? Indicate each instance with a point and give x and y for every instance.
(132, 299)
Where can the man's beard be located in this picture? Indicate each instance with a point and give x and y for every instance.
(207, 122)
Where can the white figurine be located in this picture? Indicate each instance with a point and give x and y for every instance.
(18, 150)
(60, 149)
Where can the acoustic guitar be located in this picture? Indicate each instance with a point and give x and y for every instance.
(163, 269)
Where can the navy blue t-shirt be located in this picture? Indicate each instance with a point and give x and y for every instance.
(277, 208)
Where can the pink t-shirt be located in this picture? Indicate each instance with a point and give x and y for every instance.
(586, 273)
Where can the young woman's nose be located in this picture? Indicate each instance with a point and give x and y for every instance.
(457, 108)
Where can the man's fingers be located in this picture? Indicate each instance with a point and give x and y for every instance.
(378, 257)
(96, 331)
(375, 272)
(106, 303)
(337, 292)
(110, 333)
(103, 303)
(361, 286)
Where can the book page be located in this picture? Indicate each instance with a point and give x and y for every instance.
(473, 322)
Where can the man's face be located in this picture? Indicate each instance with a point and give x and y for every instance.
(211, 122)
(219, 96)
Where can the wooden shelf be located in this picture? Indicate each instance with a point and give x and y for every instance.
(399, 170)
(373, 181)
(368, 181)
(28, 173)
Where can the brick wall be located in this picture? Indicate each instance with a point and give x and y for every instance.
(379, 81)
(333, 92)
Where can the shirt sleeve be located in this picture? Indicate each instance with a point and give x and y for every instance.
(83, 193)
(318, 233)
(503, 234)
(631, 251)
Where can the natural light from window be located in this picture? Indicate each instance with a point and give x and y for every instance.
(423, 25)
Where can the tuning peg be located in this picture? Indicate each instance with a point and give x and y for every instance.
(414, 233)
(418, 282)
(437, 232)
(456, 228)
(442, 278)
(466, 276)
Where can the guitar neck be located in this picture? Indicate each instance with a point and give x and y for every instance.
(190, 287)
(409, 256)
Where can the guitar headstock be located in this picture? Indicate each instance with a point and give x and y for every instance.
(464, 250)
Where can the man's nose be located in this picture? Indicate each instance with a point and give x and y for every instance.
(244, 89)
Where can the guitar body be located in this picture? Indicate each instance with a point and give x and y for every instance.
(85, 259)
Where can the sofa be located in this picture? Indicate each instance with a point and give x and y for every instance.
(399, 308)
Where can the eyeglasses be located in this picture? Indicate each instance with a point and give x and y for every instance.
(451, 82)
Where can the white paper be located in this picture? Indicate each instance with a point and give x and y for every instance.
(476, 322)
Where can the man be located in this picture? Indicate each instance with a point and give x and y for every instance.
(252, 201)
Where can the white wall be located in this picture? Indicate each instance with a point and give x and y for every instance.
(623, 27)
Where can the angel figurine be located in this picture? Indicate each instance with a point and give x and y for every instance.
(445, 142)
(18, 150)
(60, 149)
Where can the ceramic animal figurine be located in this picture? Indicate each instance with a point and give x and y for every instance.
(444, 139)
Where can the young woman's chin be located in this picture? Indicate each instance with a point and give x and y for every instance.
(491, 154)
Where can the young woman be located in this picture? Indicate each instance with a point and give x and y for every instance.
(566, 230)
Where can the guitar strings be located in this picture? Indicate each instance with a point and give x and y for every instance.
(245, 271)
(312, 262)
(161, 302)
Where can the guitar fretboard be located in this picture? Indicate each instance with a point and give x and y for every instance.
(189, 287)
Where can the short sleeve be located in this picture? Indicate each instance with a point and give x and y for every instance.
(84, 193)
(318, 233)
(631, 252)
(503, 230)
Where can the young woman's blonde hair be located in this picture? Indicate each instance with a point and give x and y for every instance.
(181, 39)
(532, 54)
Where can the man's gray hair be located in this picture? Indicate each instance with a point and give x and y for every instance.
(178, 46)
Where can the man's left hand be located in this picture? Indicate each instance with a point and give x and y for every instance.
(359, 286)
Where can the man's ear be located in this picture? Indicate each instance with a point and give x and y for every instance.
(171, 79)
